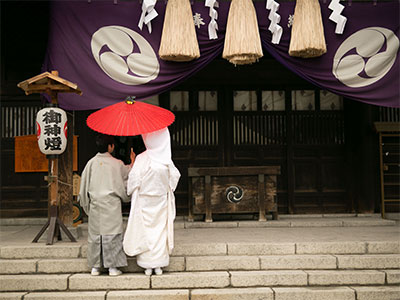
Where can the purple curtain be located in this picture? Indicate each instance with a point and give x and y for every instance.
(99, 46)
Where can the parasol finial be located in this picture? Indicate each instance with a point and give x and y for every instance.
(130, 99)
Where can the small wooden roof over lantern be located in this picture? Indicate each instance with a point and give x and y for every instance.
(49, 83)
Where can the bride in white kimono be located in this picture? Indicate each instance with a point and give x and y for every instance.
(152, 181)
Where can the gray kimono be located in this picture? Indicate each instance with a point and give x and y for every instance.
(103, 186)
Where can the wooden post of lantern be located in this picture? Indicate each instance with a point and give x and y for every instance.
(65, 174)
(51, 84)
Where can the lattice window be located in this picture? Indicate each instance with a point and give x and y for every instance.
(259, 128)
(152, 100)
(303, 100)
(18, 120)
(273, 100)
(389, 114)
(195, 129)
(208, 100)
(179, 101)
(318, 128)
(244, 101)
(330, 101)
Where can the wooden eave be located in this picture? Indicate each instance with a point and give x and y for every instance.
(46, 81)
(387, 126)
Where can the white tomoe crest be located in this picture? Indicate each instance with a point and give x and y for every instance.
(113, 49)
(365, 57)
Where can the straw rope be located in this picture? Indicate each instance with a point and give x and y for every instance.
(242, 39)
(178, 38)
(307, 38)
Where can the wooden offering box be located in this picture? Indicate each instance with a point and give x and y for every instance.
(228, 190)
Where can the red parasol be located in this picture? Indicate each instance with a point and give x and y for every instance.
(129, 118)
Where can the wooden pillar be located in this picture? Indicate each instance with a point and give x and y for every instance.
(53, 180)
(289, 153)
(207, 198)
(261, 197)
(190, 199)
(65, 174)
(362, 148)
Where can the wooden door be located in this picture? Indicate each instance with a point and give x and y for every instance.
(300, 131)
(303, 132)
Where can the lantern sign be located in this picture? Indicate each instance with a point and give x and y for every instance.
(51, 130)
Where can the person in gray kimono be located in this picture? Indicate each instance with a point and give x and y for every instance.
(103, 187)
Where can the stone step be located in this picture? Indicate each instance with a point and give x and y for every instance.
(305, 278)
(74, 250)
(59, 250)
(195, 280)
(275, 293)
(53, 282)
(72, 265)
(279, 293)
(215, 263)
(24, 215)
(336, 293)
(377, 292)
(285, 221)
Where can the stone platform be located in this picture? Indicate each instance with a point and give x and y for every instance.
(332, 257)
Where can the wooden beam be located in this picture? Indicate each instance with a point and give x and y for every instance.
(387, 126)
(234, 171)
(42, 88)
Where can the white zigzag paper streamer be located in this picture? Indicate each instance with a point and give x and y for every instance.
(275, 18)
(148, 13)
(336, 16)
(212, 26)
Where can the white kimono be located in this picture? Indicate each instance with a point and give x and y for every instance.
(152, 182)
(103, 186)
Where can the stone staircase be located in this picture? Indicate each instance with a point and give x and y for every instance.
(302, 258)
(273, 271)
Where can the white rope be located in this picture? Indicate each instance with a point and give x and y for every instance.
(65, 183)
(51, 178)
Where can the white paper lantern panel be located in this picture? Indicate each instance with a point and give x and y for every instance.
(51, 130)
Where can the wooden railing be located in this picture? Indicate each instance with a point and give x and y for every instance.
(259, 128)
(389, 114)
(195, 129)
(318, 128)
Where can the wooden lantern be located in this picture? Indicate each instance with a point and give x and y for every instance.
(52, 84)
